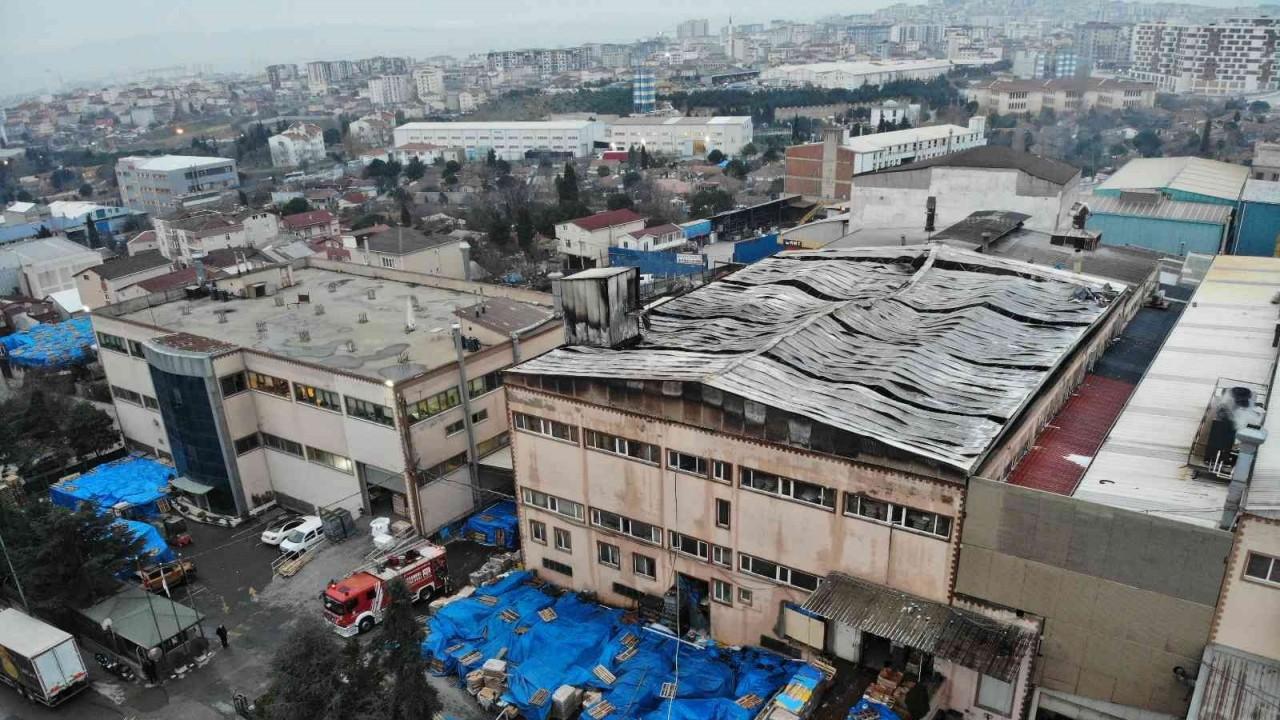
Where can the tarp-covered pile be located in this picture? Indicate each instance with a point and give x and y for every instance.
(137, 481)
(51, 345)
(495, 525)
(154, 549)
(549, 641)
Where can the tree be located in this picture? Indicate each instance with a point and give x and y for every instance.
(91, 235)
(736, 169)
(242, 198)
(305, 672)
(295, 206)
(491, 158)
(503, 167)
(406, 217)
(44, 232)
(89, 431)
(332, 136)
(452, 167)
(411, 697)
(1259, 107)
(370, 220)
(1147, 143)
(715, 156)
(631, 180)
(644, 158)
(750, 150)
(603, 171)
(1204, 137)
(66, 559)
(376, 169)
(61, 178)
(567, 187)
(85, 191)
(619, 201)
(499, 231)
(708, 202)
(524, 228)
(415, 169)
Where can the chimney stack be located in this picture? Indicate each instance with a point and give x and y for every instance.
(465, 248)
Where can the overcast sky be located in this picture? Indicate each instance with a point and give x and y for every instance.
(44, 43)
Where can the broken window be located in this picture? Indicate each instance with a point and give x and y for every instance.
(642, 451)
(687, 463)
(805, 492)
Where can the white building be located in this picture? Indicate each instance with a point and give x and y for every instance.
(165, 184)
(429, 81)
(1237, 56)
(387, 90)
(38, 268)
(585, 241)
(682, 136)
(852, 75)
(889, 149)
(508, 140)
(301, 144)
(895, 112)
(373, 129)
(656, 238)
(187, 236)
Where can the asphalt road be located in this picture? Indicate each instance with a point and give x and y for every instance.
(235, 587)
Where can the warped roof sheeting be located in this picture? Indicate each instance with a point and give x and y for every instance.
(927, 349)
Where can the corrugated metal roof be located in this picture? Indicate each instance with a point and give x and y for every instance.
(1188, 174)
(962, 636)
(1233, 684)
(1261, 191)
(1163, 208)
(927, 349)
(1263, 494)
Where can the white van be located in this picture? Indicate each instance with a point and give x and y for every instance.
(304, 536)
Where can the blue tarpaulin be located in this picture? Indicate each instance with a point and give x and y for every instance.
(756, 249)
(51, 345)
(502, 619)
(497, 524)
(865, 705)
(155, 548)
(138, 481)
(656, 262)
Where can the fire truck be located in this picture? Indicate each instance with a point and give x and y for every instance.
(355, 604)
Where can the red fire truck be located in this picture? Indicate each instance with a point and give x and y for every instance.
(355, 604)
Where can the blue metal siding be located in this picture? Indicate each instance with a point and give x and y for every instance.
(1259, 227)
(1174, 237)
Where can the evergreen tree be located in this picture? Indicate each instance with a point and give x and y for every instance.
(1204, 137)
(304, 675)
(411, 697)
(406, 217)
(91, 235)
(415, 169)
(524, 229)
(567, 186)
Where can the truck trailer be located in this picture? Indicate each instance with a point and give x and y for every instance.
(38, 660)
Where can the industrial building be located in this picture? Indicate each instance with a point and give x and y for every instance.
(1065, 96)
(323, 385)
(794, 442)
(852, 75)
(682, 137)
(1149, 219)
(1258, 228)
(165, 184)
(508, 140)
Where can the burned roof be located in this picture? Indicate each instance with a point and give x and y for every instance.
(130, 265)
(927, 349)
(997, 157)
(992, 223)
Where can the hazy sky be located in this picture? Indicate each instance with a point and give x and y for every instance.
(43, 43)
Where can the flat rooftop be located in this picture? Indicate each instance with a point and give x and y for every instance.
(379, 343)
(500, 125)
(880, 141)
(164, 163)
(1224, 333)
(927, 349)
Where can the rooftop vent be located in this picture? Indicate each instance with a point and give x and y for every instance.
(262, 326)
(333, 287)
(186, 309)
(371, 293)
(222, 316)
(304, 298)
(351, 346)
(413, 300)
(319, 309)
(304, 335)
(403, 357)
(279, 300)
(362, 318)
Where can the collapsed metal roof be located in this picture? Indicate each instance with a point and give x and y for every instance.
(928, 349)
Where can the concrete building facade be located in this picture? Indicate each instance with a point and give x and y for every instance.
(1064, 97)
(301, 144)
(585, 241)
(166, 184)
(391, 90)
(682, 137)
(508, 140)
(1229, 58)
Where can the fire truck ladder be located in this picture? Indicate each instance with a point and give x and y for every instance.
(288, 565)
(373, 557)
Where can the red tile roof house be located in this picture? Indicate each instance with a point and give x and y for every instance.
(310, 225)
(657, 237)
(585, 241)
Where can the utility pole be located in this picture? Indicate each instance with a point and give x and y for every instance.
(14, 574)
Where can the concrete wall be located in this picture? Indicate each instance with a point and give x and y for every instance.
(897, 199)
(1126, 597)
(1259, 229)
(1173, 237)
(1249, 610)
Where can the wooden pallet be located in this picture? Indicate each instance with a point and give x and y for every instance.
(600, 709)
(540, 698)
(604, 675)
(489, 600)
(749, 701)
(668, 690)
(547, 614)
(625, 655)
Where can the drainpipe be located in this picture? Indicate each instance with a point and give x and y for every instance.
(472, 460)
(515, 340)
(1249, 439)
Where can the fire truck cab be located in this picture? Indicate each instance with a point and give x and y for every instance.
(355, 604)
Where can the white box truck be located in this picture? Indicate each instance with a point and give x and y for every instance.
(40, 661)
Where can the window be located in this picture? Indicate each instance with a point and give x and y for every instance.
(388, 262)
(338, 462)
(995, 695)
(455, 427)
(617, 523)
(247, 443)
(483, 384)
(538, 531)
(496, 442)
(373, 412)
(268, 384)
(608, 554)
(315, 396)
(135, 349)
(642, 451)
(721, 555)
(723, 512)
(1262, 567)
(284, 445)
(445, 466)
(543, 426)
(644, 566)
(690, 546)
(686, 463)
(434, 405)
(564, 542)
(568, 508)
(722, 471)
(479, 417)
(150, 402)
(112, 342)
(126, 395)
(559, 567)
(721, 592)
(910, 518)
(233, 383)
(777, 573)
(744, 596)
(787, 488)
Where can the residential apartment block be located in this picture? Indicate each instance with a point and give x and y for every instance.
(390, 90)
(755, 443)
(682, 136)
(508, 140)
(544, 62)
(1229, 58)
(429, 81)
(165, 184)
(301, 144)
(584, 242)
(1064, 97)
(329, 385)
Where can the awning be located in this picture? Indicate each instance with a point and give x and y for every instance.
(1234, 684)
(142, 618)
(499, 459)
(962, 636)
(187, 485)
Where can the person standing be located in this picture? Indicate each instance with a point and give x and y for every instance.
(221, 632)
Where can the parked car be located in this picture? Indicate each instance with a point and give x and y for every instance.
(173, 574)
(304, 536)
(281, 527)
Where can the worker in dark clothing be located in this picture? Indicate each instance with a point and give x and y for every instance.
(221, 632)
